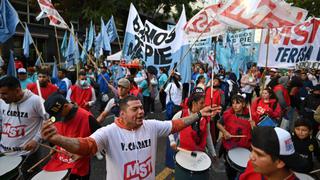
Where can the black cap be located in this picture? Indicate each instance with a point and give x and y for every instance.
(54, 105)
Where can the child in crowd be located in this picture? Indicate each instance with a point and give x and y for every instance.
(305, 145)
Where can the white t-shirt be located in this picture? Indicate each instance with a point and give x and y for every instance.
(109, 105)
(131, 154)
(175, 92)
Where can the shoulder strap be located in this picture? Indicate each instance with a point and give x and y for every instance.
(170, 92)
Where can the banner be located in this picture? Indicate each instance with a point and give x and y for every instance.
(157, 47)
(203, 51)
(291, 45)
(47, 9)
(243, 14)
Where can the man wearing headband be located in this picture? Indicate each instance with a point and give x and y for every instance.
(273, 156)
(130, 142)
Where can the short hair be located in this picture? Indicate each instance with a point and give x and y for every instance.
(64, 71)
(10, 82)
(194, 97)
(238, 98)
(82, 73)
(43, 71)
(123, 103)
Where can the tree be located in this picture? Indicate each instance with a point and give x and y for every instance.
(312, 6)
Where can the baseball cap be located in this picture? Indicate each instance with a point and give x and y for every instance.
(278, 142)
(123, 82)
(273, 70)
(22, 71)
(54, 105)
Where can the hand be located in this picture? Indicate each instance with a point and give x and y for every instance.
(252, 123)
(75, 157)
(226, 135)
(210, 111)
(48, 131)
(173, 146)
(86, 104)
(31, 145)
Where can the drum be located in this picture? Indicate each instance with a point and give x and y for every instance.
(318, 136)
(51, 175)
(238, 158)
(267, 121)
(303, 176)
(192, 167)
(9, 168)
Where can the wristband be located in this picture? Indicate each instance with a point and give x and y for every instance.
(199, 115)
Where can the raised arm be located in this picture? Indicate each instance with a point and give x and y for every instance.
(82, 146)
(179, 124)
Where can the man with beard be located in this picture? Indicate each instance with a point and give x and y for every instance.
(46, 87)
(82, 93)
(130, 142)
(113, 105)
(22, 116)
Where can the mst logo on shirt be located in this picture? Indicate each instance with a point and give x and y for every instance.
(13, 131)
(136, 169)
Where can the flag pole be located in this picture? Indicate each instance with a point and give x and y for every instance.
(267, 57)
(58, 49)
(119, 43)
(34, 45)
(89, 57)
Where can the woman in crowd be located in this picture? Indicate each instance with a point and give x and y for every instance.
(266, 105)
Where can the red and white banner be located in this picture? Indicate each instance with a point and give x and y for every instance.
(47, 9)
(289, 46)
(204, 22)
(244, 14)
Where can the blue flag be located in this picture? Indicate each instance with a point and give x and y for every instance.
(112, 30)
(76, 51)
(97, 46)
(83, 55)
(11, 71)
(55, 71)
(91, 36)
(71, 50)
(38, 62)
(8, 21)
(105, 41)
(27, 40)
(64, 45)
(1, 62)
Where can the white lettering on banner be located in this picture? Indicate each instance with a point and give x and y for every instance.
(291, 45)
(134, 169)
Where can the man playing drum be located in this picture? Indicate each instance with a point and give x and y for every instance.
(21, 122)
(273, 156)
(130, 142)
(73, 121)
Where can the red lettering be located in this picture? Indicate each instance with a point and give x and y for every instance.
(314, 31)
(13, 131)
(135, 169)
(300, 32)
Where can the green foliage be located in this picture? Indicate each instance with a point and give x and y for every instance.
(312, 6)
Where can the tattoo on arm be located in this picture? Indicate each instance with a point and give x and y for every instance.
(179, 124)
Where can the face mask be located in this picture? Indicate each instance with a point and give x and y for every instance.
(83, 83)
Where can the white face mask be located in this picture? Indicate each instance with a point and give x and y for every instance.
(83, 83)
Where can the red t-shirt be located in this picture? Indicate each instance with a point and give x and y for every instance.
(45, 91)
(271, 109)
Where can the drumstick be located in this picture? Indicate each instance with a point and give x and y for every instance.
(238, 136)
(250, 115)
(54, 149)
(314, 171)
(193, 154)
(39, 162)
